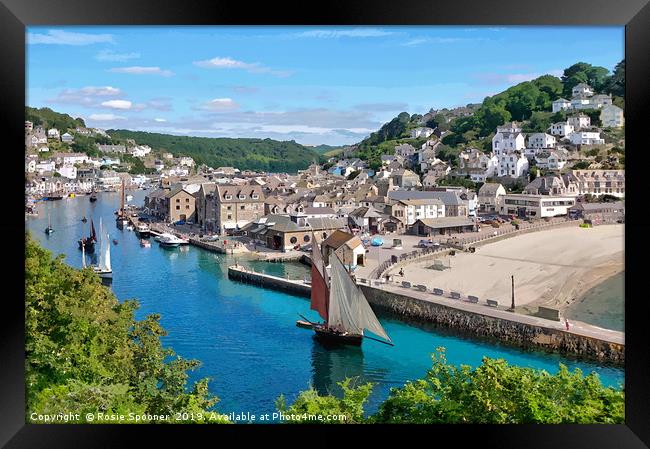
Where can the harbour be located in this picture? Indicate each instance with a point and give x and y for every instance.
(231, 326)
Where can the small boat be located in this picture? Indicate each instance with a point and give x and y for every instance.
(170, 240)
(84, 220)
(121, 220)
(342, 305)
(49, 228)
(114, 241)
(143, 230)
(129, 228)
(53, 198)
(71, 195)
(304, 324)
(129, 197)
(145, 243)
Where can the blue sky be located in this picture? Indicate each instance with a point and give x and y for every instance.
(315, 85)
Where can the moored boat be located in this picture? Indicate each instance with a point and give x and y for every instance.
(49, 228)
(103, 267)
(170, 240)
(143, 230)
(88, 243)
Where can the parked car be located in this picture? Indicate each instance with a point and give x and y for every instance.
(427, 244)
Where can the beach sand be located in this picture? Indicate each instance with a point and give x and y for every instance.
(552, 268)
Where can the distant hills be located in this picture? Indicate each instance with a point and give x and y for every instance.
(242, 153)
(47, 118)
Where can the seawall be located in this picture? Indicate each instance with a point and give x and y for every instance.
(295, 287)
(515, 331)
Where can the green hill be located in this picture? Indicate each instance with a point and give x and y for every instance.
(252, 154)
(47, 118)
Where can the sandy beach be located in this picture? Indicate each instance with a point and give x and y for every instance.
(551, 268)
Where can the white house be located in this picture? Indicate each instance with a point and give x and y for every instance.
(30, 165)
(579, 121)
(67, 138)
(187, 161)
(513, 165)
(43, 149)
(108, 179)
(541, 140)
(561, 104)
(488, 196)
(508, 138)
(71, 158)
(600, 100)
(53, 133)
(550, 160)
(534, 206)
(67, 171)
(419, 132)
(586, 138)
(581, 102)
(611, 116)
(582, 89)
(561, 129)
(415, 209)
(44, 166)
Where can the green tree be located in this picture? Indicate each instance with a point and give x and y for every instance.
(85, 352)
(311, 403)
(615, 85)
(497, 393)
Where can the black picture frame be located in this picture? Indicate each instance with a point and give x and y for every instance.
(15, 15)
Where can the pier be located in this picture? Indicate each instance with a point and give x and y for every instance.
(297, 287)
(470, 315)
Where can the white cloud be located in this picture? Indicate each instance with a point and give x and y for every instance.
(86, 96)
(230, 63)
(160, 120)
(110, 55)
(117, 104)
(219, 104)
(139, 70)
(61, 37)
(338, 33)
(106, 117)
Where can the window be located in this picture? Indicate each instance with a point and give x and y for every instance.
(306, 238)
(293, 240)
(228, 197)
(178, 200)
(242, 197)
(229, 208)
(187, 207)
(229, 217)
(324, 235)
(242, 207)
(187, 200)
(255, 196)
(178, 207)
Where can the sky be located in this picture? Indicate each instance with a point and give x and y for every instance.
(316, 85)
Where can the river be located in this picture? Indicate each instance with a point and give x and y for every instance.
(245, 336)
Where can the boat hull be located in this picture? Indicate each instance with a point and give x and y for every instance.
(329, 337)
(169, 245)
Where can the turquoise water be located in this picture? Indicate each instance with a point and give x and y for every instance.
(245, 336)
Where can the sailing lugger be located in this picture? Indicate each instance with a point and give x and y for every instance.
(341, 303)
(88, 243)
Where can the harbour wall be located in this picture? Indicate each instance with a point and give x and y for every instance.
(295, 287)
(523, 335)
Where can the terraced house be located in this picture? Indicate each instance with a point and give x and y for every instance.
(236, 206)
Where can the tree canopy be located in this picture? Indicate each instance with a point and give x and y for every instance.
(493, 393)
(85, 352)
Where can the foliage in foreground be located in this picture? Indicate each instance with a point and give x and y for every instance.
(86, 353)
(493, 393)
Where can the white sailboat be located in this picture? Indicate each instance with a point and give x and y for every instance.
(103, 267)
(342, 304)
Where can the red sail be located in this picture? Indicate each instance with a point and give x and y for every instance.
(319, 293)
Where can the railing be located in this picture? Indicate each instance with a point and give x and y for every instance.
(459, 243)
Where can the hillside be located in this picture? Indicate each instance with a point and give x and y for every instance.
(47, 118)
(528, 103)
(252, 154)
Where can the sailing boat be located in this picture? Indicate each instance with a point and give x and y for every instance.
(89, 242)
(103, 267)
(121, 220)
(49, 228)
(342, 304)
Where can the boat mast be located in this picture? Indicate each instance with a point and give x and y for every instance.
(122, 206)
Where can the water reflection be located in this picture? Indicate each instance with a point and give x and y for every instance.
(331, 365)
